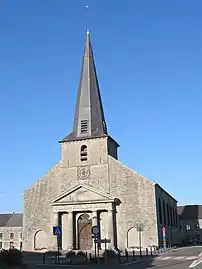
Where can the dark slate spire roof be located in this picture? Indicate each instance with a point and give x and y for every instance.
(89, 120)
(11, 220)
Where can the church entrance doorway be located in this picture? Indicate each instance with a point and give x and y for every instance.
(85, 241)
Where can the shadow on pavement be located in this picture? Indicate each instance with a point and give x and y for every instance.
(41, 260)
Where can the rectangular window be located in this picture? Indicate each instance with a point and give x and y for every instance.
(188, 227)
(20, 245)
(20, 235)
(1, 235)
(1, 245)
(11, 244)
(11, 235)
(84, 126)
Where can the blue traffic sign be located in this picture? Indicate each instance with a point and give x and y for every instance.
(57, 230)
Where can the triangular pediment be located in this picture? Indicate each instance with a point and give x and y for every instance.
(82, 194)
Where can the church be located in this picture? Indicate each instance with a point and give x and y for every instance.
(89, 186)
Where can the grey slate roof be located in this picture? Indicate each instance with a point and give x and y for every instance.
(89, 107)
(11, 220)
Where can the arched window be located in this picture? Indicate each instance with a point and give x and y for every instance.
(176, 217)
(84, 153)
(168, 214)
(174, 223)
(171, 216)
(160, 212)
(164, 214)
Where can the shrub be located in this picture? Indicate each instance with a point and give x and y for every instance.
(81, 253)
(110, 253)
(70, 254)
(11, 257)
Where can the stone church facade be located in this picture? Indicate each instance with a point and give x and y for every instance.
(90, 186)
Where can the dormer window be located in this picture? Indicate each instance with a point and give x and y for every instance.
(84, 126)
(83, 153)
(104, 127)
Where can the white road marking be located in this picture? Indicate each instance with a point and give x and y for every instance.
(178, 258)
(196, 262)
(191, 258)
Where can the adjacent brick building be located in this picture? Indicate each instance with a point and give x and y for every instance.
(11, 230)
(90, 186)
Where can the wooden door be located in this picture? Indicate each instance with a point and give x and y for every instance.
(85, 241)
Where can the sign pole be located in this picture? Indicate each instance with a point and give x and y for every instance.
(164, 237)
(140, 241)
(95, 248)
(105, 252)
(98, 254)
(58, 249)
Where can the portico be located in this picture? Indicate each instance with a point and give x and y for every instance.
(78, 210)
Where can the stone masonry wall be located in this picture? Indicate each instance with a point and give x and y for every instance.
(137, 195)
(62, 177)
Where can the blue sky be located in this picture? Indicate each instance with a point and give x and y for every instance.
(148, 56)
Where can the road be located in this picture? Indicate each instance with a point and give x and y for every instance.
(182, 258)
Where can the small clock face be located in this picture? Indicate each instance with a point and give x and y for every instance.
(83, 172)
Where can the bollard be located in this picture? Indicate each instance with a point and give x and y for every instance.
(119, 258)
(86, 256)
(147, 252)
(151, 251)
(133, 254)
(90, 257)
(44, 258)
(126, 254)
(55, 258)
(140, 253)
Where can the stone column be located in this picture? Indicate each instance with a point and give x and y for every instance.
(110, 228)
(94, 218)
(94, 223)
(55, 223)
(70, 231)
(65, 231)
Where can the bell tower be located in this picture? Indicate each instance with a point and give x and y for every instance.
(89, 121)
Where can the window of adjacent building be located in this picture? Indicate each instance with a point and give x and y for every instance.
(160, 212)
(84, 126)
(171, 216)
(20, 235)
(168, 214)
(1, 245)
(11, 244)
(1, 235)
(83, 153)
(164, 213)
(197, 224)
(20, 245)
(11, 235)
(188, 227)
(176, 217)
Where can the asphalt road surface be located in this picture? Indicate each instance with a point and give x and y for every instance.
(182, 258)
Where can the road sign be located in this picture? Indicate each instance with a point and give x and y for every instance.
(103, 241)
(57, 230)
(95, 230)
